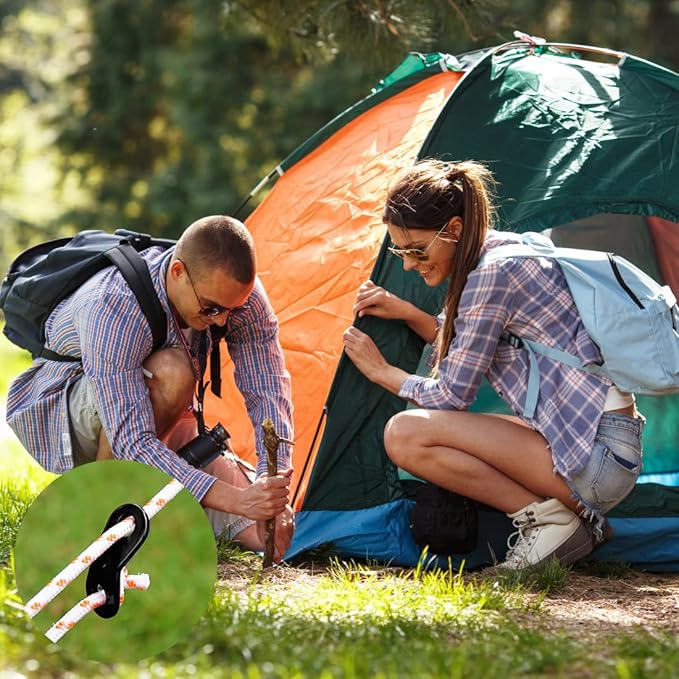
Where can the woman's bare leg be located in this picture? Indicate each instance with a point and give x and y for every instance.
(496, 460)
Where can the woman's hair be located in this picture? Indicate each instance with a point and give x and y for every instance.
(430, 194)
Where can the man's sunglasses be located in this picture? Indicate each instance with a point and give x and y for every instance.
(210, 310)
(420, 254)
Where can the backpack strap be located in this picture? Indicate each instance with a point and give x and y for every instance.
(535, 245)
(532, 348)
(135, 271)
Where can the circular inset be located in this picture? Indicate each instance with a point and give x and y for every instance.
(179, 556)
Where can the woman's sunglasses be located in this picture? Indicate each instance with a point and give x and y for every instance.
(210, 310)
(420, 254)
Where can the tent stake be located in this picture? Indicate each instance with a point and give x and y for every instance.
(271, 443)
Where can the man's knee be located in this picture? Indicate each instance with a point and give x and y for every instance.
(231, 469)
(170, 384)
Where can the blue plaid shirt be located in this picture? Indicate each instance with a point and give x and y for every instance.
(103, 322)
(530, 298)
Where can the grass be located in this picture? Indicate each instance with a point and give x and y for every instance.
(356, 620)
(546, 578)
(14, 502)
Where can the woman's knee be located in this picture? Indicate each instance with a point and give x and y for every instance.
(400, 434)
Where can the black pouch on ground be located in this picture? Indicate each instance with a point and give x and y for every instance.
(444, 521)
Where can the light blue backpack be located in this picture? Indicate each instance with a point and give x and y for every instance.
(633, 320)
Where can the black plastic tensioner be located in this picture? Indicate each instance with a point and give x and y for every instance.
(104, 572)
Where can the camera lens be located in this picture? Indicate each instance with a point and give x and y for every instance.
(219, 434)
(205, 447)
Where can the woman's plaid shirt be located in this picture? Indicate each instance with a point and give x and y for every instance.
(530, 298)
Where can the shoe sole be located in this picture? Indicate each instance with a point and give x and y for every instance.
(576, 547)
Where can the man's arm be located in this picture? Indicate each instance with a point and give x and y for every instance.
(261, 377)
(115, 338)
(260, 374)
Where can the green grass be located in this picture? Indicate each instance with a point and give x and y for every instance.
(605, 569)
(15, 462)
(356, 620)
(14, 501)
(545, 578)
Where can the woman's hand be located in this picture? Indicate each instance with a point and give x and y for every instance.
(365, 355)
(372, 300)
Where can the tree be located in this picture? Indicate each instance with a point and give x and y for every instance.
(183, 107)
(166, 110)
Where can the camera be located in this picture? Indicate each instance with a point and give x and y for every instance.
(207, 446)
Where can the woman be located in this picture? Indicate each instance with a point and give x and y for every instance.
(555, 474)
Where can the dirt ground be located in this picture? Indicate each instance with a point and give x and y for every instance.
(585, 606)
(591, 605)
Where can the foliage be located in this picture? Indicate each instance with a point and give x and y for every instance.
(378, 30)
(150, 114)
(182, 107)
(15, 498)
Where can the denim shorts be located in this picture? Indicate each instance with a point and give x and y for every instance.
(613, 467)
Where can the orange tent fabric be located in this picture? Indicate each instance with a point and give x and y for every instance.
(317, 234)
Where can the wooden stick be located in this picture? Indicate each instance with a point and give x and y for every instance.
(271, 443)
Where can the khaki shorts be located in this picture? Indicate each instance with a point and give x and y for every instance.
(85, 432)
(85, 422)
(224, 524)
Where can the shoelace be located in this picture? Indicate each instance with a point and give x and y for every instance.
(517, 551)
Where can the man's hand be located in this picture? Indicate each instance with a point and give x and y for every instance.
(285, 526)
(266, 497)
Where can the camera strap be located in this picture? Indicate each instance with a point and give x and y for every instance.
(201, 385)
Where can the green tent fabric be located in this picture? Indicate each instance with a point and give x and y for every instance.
(566, 138)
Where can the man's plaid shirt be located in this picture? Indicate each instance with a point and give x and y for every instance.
(103, 322)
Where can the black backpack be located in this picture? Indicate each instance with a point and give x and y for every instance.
(443, 521)
(44, 275)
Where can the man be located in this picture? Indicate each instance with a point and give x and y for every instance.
(122, 401)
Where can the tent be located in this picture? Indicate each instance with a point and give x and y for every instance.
(583, 142)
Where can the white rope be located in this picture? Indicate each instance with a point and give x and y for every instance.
(97, 548)
(141, 581)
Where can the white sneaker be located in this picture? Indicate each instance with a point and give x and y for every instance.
(544, 530)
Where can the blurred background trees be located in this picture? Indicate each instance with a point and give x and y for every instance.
(150, 113)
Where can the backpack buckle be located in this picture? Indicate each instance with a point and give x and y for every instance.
(512, 340)
(139, 241)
